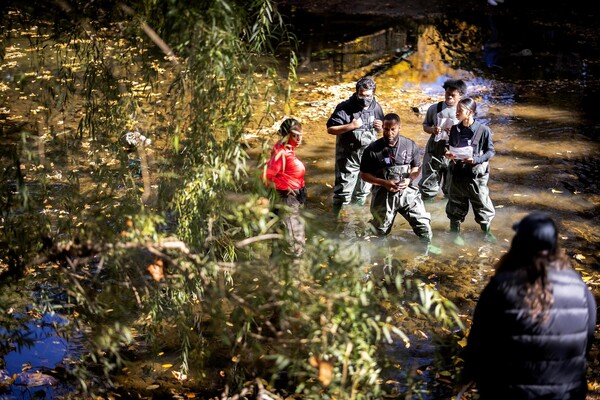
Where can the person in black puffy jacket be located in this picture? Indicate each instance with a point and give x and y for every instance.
(534, 322)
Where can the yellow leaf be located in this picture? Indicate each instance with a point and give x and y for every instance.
(556, 191)
(167, 365)
(462, 342)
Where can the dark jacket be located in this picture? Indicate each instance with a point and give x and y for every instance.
(509, 356)
(346, 112)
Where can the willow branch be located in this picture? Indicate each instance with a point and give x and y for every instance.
(152, 35)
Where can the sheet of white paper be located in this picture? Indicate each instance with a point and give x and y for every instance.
(462, 152)
(445, 123)
(443, 135)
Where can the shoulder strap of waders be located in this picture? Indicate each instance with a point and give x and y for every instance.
(477, 136)
(439, 106)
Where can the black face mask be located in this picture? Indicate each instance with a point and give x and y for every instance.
(365, 102)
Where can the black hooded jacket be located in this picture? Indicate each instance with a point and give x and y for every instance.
(509, 356)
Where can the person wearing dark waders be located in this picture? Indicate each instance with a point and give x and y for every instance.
(286, 172)
(390, 165)
(439, 118)
(533, 324)
(470, 149)
(356, 123)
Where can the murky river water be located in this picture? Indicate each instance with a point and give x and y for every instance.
(538, 101)
(540, 105)
(543, 131)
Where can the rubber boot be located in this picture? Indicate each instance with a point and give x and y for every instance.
(455, 230)
(337, 207)
(429, 248)
(489, 236)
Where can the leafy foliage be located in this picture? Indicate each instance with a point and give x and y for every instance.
(166, 245)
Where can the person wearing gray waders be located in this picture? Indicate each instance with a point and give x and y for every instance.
(439, 118)
(470, 149)
(390, 164)
(356, 123)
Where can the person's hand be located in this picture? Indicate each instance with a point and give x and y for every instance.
(392, 186)
(436, 129)
(357, 123)
(378, 125)
(469, 160)
(449, 156)
(290, 192)
(403, 183)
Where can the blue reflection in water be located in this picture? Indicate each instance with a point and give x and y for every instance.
(42, 352)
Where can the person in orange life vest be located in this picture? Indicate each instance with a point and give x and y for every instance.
(286, 172)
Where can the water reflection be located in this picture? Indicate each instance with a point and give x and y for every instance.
(32, 365)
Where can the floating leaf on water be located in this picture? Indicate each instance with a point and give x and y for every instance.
(556, 191)
(167, 365)
(579, 257)
(152, 387)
